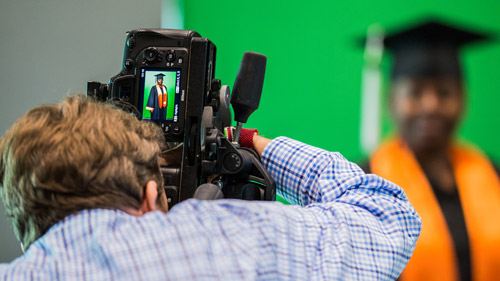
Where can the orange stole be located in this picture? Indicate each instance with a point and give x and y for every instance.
(479, 190)
(162, 98)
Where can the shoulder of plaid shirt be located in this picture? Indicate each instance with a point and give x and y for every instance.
(345, 225)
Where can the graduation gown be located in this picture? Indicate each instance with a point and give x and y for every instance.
(478, 188)
(157, 102)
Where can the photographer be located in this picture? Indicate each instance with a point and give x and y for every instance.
(82, 185)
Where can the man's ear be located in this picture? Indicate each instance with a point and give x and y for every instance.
(149, 197)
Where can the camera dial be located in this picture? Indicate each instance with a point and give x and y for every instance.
(150, 54)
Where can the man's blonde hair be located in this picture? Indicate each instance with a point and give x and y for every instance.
(80, 154)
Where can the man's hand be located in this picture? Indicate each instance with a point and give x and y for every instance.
(259, 143)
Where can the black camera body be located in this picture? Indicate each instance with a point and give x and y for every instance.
(167, 77)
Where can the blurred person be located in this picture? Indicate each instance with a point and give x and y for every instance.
(453, 187)
(81, 182)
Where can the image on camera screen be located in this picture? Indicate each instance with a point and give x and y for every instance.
(160, 94)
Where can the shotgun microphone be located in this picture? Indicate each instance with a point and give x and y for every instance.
(247, 88)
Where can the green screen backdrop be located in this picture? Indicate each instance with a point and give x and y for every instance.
(313, 79)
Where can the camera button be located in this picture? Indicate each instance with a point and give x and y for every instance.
(170, 56)
(177, 129)
(150, 54)
(181, 60)
(129, 63)
(232, 162)
(131, 43)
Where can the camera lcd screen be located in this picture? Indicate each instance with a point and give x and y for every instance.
(159, 91)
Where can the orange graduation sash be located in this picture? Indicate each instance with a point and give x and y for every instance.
(479, 191)
(162, 96)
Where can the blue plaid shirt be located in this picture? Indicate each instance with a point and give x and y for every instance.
(346, 225)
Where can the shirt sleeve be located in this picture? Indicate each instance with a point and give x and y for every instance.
(151, 99)
(362, 226)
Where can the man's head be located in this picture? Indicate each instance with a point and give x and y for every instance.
(59, 159)
(159, 78)
(427, 110)
(427, 94)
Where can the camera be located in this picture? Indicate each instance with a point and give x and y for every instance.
(168, 77)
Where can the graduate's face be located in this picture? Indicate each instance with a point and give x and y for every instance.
(427, 110)
(159, 81)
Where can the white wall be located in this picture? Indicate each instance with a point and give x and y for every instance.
(51, 48)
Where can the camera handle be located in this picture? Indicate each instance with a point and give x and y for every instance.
(242, 175)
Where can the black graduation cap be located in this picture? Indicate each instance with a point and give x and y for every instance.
(159, 76)
(430, 48)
